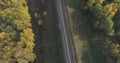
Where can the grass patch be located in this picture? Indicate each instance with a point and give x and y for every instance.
(51, 39)
(82, 48)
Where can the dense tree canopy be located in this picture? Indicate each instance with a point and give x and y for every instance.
(16, 36)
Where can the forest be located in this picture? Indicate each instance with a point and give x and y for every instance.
(104, 20)
(16, 35)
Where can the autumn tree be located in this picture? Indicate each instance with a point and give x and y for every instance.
(94, 2)
(16, 35)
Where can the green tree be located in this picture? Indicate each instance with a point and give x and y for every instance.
(116, 19)
(103, 20)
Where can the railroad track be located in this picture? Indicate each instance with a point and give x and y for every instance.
(64, 26)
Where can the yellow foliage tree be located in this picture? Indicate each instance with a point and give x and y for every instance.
(90, 2)
(112, 8)
(15, 14)
(100, 1)
(2, 35)
(115, 49)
